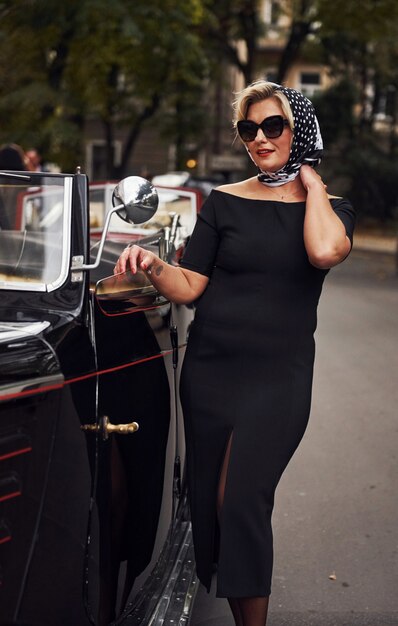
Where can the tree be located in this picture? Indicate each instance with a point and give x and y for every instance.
(116, 62)
(231, 25)
(34, 107)
(146, 60)
(360, 47)
(302, 16)
(356, 42)
(124, 63)
(360, 44)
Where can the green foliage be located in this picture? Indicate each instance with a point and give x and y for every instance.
(230, 25)
(62, 63)
(359, 43)
(335, 111)
(366, 21)
(373, 180)
(358, 158)
(34, 99)
(122, 63)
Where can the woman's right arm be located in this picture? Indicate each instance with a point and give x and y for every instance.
(174, 283)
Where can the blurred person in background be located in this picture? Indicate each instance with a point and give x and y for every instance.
(12, 157)
(34, 160)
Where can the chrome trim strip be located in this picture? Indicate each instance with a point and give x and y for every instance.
(179, 594)
(19, 285)
(168, 595)
(22, 286)
(18, 176)
(66, 236)
(15, 330)
(129, 293)
(33, 385)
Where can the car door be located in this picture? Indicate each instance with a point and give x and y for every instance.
(136, 442)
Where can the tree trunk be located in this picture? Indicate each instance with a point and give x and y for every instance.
(121, 170)
(298, 34)
(109, 147)
(179, 136)
(248, 18)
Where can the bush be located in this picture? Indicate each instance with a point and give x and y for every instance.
(357, 159)
(372, 181)
(334, 109)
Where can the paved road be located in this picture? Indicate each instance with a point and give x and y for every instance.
(336, 514)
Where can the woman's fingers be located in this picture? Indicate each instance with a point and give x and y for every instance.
(122, 261)
(309, 177)
(136, 256)
(133, 257)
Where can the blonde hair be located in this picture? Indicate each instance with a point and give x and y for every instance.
(255, 92)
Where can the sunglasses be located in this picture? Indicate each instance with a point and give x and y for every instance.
(272, 128)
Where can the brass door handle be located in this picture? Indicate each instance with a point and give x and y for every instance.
(106, 428)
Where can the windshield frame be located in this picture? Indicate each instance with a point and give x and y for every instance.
(20, 285)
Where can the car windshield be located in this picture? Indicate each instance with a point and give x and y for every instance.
(181, 201)
(34, 230)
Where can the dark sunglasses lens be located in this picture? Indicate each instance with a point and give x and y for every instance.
(272, 127)
(247, 130)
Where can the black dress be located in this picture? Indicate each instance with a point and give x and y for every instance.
(247, 372)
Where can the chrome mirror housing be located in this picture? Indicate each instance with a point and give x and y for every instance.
(135, 199)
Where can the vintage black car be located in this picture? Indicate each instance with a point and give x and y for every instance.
(94, 524)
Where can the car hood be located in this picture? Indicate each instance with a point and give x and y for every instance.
(28, 362)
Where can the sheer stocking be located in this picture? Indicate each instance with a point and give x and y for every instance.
(253, 611)
(223, 477)
(235, 608)
(246, 611)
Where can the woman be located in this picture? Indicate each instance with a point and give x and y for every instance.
(255, 265)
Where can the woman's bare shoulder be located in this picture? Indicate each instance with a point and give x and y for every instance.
(240, 188)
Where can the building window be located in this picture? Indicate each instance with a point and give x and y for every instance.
(271, 12)
(96, 159)
(310, 83)
(386, 109)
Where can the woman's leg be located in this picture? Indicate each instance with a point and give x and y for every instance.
(233, 602)
(253, 611)
(223, 478)
(246, 611)
(235, 608)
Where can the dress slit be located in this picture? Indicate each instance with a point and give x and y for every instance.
(222, 480)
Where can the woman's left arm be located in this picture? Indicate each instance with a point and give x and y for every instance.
(325, 236)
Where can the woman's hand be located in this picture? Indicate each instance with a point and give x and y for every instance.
(175, 283)
(136, 258)
(310, 178)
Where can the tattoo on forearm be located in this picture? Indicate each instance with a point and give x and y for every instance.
(159, 270)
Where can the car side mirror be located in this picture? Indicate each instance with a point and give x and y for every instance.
(135, 200)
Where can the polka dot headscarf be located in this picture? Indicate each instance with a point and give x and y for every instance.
(307, 142)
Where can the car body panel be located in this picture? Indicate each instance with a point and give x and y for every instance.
(84, 513)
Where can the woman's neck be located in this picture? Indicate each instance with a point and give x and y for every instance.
(290, 192)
